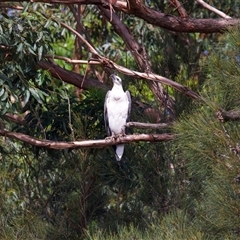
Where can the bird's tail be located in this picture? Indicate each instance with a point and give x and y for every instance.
(119, 151)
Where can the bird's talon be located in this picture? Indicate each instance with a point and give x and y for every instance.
(108, 139)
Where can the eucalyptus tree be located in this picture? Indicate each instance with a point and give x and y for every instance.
(56, 57)
(127, 37)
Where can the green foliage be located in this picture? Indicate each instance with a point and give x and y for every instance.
(24, 41)
(187, 189)
(18, 218)
(175, 226)
(209, 146)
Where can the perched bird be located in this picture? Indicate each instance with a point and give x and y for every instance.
(117, 108)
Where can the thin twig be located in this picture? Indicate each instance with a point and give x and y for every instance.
(85, 73)
(213, 9)
(179, 7)
(70, 118)
(89, 46)
(5, 5)
(73, 61)
(148, 125)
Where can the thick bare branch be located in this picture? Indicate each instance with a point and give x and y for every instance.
(140, 125)
(71, 77)
(179, 24)
(132, 44)
(86, 143)
(157, 18)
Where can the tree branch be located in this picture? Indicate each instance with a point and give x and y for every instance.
(14, 118)
(148, 125)
(231, 115)
(86, 143)
(213, 9)
(179, 7)
(157, 78)
(157, 18)
(72, 61)
(140, 55)
(134, 47)
(179, 24)
(76, 79)
(71, 77)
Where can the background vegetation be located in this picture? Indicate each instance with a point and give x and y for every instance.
(187, 188)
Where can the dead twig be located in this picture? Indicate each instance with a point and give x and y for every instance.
(213, 9)
(148, 125)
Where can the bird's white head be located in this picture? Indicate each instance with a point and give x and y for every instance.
(116, 80)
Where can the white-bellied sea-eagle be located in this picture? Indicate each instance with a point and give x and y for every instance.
(117, 107)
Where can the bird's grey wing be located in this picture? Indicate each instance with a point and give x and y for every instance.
(129, 105)
(106, 115)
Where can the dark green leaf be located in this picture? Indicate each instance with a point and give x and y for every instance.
(35, 94)
(40, 51)
(26, 97)
(2, 92)
(20, 47)
(4, 96)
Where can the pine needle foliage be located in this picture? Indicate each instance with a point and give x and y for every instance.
(174, 226)
(209, 146)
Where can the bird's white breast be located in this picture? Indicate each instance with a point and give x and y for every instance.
(117, 106)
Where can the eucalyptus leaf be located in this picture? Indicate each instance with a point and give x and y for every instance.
(4, 96)
(26, 97)
(35, 94)
(20, 27)
(20, 47)
(3, 110)
(1, 92)
(40, 52)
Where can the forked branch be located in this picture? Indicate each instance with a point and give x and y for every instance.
(76, 79)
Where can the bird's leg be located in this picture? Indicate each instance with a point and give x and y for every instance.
(112, 137)
(122, 134)
(108, 138)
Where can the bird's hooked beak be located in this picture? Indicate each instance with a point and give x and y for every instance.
(112, 76)
(116, 80)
